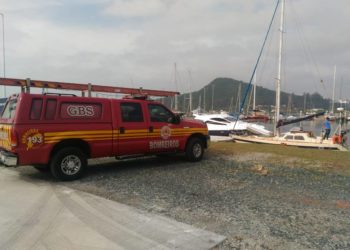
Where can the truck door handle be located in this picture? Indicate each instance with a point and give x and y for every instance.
(122, 130)
(150, 129)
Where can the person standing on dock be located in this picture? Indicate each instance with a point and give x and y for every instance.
(327, 127)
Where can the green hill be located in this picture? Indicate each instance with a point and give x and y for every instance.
(226, 97)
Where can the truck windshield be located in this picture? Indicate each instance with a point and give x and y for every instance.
(2, 104)
(9, 110)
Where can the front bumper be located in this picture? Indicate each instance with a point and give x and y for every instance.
(8, 159)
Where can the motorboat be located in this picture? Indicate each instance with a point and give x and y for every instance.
(257, 129)
(221, 125)
(224, 124)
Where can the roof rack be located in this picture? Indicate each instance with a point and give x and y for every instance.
(136, 97)
(59, 94)
(27, 83)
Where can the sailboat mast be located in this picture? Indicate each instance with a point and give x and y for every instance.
(278, 80)
(190, 102)
(190, 95)
(212, 97)
(333, 95)
(204, 104)
(239, 97)
(200, 103)
(176, 97)
(254, 92)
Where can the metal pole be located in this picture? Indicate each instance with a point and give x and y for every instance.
(89, 89)
(3, 47)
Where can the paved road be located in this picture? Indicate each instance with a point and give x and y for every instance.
(42, 215)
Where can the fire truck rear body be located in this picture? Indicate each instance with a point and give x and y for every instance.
(34, 128)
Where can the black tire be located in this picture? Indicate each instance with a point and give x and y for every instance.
(162, 156)
(195, 149)
(42, 168)
(68, 164)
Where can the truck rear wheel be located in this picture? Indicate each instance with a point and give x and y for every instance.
(68, 164)
(194, 149)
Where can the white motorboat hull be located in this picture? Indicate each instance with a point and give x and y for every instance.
(258, 130)
(224, 125)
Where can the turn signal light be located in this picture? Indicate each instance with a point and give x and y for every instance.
(13, 138)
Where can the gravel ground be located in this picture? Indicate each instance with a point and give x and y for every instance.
(256, 205)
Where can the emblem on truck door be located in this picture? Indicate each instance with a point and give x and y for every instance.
(32, 138)
(165, 132)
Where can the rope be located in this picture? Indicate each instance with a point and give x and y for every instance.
(306, 45)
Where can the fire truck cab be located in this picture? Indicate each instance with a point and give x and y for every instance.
(60, 132)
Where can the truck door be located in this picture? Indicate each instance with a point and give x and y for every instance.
(164, 134)
(132, 129)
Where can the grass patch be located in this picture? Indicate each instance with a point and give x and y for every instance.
(323, 160)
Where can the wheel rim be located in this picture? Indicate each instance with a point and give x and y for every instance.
(70, 165)
(197, 150)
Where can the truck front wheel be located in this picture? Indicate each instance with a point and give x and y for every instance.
(68, 164)
(194, 149)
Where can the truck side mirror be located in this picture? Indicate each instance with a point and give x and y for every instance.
(176, 119)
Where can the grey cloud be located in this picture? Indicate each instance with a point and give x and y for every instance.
(210, 38)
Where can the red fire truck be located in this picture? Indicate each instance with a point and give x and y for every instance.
(61, 131)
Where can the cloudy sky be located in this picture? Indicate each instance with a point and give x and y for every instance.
(136, 42)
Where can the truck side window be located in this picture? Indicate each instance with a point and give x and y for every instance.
(2, 104)
(159, 113)
(35, 110)
(50, 109)
(131, 112)
(9, 110)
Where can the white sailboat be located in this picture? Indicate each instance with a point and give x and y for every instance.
(295, 137)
